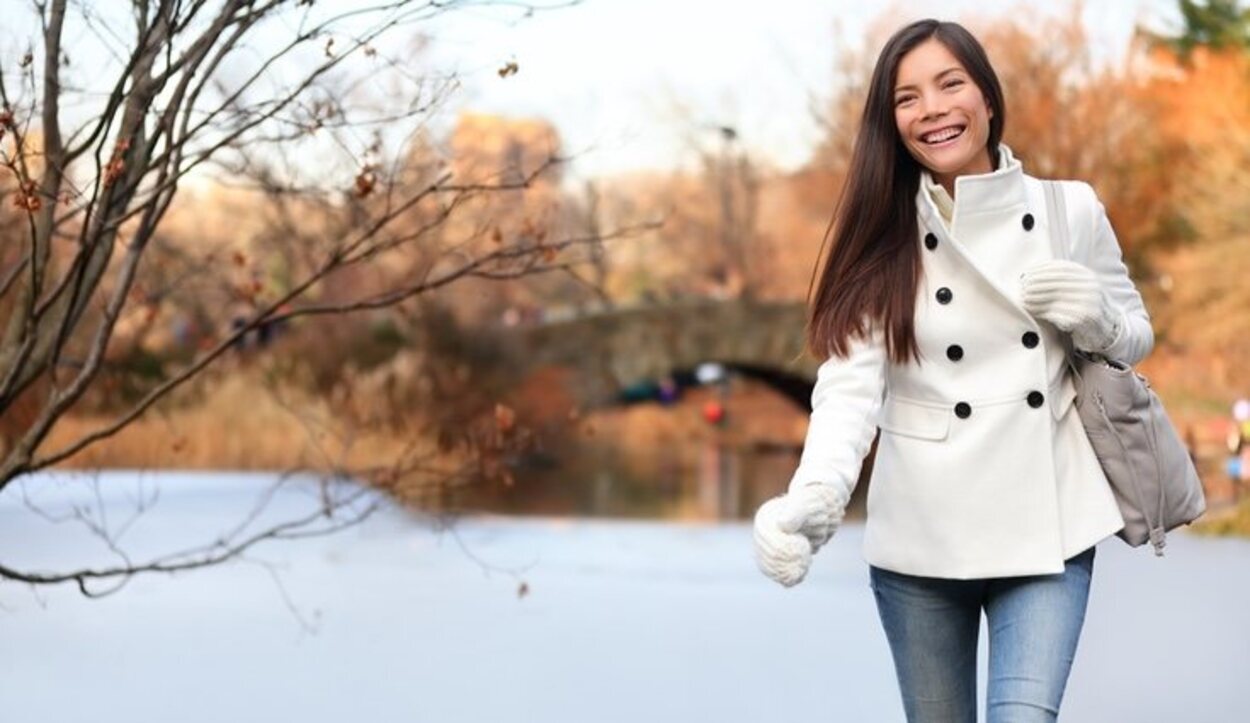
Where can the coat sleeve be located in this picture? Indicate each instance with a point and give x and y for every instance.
(846, 405)
(1102, 254)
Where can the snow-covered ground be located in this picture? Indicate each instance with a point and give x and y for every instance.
(401, 620)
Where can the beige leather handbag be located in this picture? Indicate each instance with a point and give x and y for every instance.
(1149, 467)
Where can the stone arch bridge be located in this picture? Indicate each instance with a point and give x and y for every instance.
(613, 348)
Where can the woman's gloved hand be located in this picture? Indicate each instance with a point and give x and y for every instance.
(790, 528)
(1069, 296)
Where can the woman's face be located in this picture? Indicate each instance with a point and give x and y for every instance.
(941, 115)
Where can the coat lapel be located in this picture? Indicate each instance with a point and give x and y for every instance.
(995, 200)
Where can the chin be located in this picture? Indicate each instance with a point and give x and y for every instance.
(942, 167)
(947, 164)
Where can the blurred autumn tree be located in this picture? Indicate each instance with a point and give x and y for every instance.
(724, 224)
(1200, 79)
(312, 107)
(1215, 25)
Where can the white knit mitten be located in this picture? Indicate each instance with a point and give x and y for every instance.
(817, 511)
(780, 551)
(790, 528)
(1069, 296)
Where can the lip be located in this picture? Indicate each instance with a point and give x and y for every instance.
(958, 126)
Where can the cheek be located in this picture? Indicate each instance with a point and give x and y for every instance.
(901, 121)
(982, 107)
(985, 120)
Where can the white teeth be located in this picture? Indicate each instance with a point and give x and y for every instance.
(943, 135)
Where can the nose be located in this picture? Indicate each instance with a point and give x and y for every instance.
(931, 106)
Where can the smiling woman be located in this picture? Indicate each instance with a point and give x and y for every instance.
(944, 316)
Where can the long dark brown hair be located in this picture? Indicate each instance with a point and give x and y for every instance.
(871, 275)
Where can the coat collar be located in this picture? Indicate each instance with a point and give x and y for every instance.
(1001, 190)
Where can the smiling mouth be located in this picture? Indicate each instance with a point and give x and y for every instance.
(943, 135)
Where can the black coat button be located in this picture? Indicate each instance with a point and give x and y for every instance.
(963, 410)
(1029, 339)
(944, 295)
(954, 352)
(1036, 399)
(1027, 221)
(930, 241)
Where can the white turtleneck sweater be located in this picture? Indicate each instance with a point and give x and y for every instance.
(945, 204)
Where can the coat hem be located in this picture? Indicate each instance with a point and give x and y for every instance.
(1026, 569)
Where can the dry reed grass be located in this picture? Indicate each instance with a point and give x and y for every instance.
(241, 424)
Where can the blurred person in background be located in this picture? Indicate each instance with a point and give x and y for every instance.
(1238, 466)
(943, 319)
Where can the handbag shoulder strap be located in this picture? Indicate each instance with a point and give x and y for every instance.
(1057, 220)
(1061, 245)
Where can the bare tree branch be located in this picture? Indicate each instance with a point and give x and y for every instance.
(196, 85)
(310, 525)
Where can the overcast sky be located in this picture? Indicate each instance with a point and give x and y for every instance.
(630, 83)
(612, 74)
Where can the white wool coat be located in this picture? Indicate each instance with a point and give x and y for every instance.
(983, 468)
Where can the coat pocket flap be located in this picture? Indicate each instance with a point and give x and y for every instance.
(915, 420)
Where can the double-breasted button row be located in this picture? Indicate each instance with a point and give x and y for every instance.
(931, 239)
(955, 352)
(1035, 399)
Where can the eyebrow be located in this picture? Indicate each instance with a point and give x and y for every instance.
(948, 71)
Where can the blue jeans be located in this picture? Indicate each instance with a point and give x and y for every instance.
(1034, 623)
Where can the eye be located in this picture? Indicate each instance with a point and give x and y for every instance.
(952, 83)
(903, 100)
